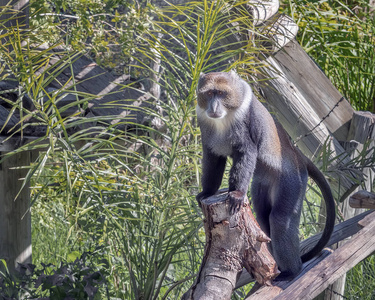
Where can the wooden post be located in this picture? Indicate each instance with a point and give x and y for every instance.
(15, 217)
(362, 131)
(316, 89)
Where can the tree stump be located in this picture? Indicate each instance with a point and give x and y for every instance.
(232, 242)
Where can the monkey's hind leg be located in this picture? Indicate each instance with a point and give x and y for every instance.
(261, 204)
(284, 225)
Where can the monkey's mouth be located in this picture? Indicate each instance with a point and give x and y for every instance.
(215, 115)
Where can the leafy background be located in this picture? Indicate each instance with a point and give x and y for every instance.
(121, 205)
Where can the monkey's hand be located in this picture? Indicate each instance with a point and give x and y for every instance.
(236, 201)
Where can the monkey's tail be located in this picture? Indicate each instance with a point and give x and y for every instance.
(324, 187)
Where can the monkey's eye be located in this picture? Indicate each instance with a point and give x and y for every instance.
(210, 93)
(220, 93)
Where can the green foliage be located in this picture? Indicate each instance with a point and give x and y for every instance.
(361, 280)
(77, 279)
(340, 38)
(110, 30)
(132, 193)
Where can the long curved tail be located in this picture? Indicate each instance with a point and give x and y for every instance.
(323, 185)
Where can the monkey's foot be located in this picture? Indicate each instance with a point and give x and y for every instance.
(286, 276)
(236, 201)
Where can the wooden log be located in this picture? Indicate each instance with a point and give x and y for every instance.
(341, 232)
(279, 33)
(261, 11)
(309, 107)
(232, 242)
(15, 219)
(313, 282)
(316, 88)
(362, 199)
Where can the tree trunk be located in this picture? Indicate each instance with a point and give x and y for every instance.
(232, 242)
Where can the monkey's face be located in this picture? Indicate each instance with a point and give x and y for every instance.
(219, 93)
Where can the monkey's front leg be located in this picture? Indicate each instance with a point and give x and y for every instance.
(213, 170)
(240, 175)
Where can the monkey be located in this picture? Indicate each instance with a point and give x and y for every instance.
(234, 123)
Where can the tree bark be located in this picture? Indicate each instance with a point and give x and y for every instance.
(232, 242)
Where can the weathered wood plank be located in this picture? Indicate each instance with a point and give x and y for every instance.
(272, 291)
(292, 110)
(95, 80)
(341, 231)
(113, 96)
(301, 98)
(313, 282)
(316, 88)
(362, 199)
(309, 107)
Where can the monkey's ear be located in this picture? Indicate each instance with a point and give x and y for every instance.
(233, 74)
(201, 78)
